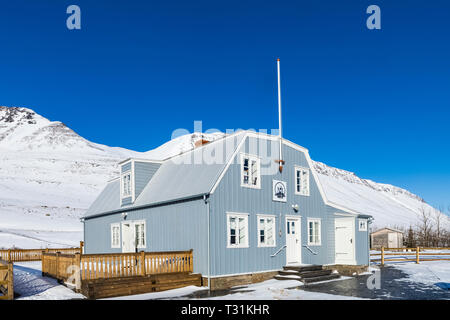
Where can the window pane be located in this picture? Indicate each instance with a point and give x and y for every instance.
(288, 228)
(254, 173)
(246, 173)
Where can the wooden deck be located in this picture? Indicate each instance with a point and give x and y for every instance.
(115, 287)
(111, 275)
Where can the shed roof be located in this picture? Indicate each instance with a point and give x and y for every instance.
(387, 229)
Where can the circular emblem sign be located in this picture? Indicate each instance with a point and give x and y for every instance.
(279, 190)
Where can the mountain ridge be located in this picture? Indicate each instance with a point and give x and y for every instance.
(49, 175)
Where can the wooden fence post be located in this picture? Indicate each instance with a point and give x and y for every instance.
(11, 281)
(43, 263)
(417, 254)
(9, 255)
(382, 256)
(57, 265)
(143, 271)
(191, 260)
(77, 263)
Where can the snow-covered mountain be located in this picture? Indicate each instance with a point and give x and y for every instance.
(49, 175)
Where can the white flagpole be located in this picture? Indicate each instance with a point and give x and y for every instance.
(279, 111)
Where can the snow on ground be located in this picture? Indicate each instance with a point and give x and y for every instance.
(427, 272)
(30, 285)
(268, 290)
(279, 290)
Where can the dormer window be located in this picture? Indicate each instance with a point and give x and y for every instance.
(126, 184)
(250, 171)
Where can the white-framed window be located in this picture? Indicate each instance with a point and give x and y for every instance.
(362, 223)
(237, 225)
(314, 232)
(139, 233)
(115, 235)
(302, 181)
(250, 171)
(266, 231)
(126, 185)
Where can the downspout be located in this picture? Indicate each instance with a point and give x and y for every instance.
(369, 222)
(208, 210)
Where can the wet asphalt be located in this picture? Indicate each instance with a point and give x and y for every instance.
(390, 287)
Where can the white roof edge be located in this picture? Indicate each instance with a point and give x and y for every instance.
(140, 160)
(294, 146)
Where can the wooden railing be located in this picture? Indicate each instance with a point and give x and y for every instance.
(6, 280)
(60, 266)
(403, 255)
(105, 266)
(20, 255)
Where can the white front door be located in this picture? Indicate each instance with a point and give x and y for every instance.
(345, 240)
(128, 237)
(293, 241)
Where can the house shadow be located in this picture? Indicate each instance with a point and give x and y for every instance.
(443, 285)
(30, 282)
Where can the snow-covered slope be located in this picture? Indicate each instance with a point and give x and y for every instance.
(49, 175)
(390, 206)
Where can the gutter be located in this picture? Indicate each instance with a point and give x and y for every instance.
(208, 215)
(156, 204)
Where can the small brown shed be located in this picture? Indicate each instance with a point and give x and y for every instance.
(386, 237)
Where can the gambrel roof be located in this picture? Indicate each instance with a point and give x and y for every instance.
(184, 177)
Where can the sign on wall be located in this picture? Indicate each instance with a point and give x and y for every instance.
(279, 190)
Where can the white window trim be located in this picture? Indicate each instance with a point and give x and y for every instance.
(145, 232)
(241, 215)
(320, 231)
(258, 163)
(359, 224)
(112, 235)
(132, 187)
(259, 216)
(296, 169)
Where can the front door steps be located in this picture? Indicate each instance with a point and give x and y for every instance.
(306, 274)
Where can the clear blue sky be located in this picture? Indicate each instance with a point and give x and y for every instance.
(373, 102)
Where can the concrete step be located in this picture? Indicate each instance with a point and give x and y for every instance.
(321, 278)
(303, 268)
(312, 274)
(287, 277)
(288, 272)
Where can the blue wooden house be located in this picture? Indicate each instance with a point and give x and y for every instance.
(228, 201)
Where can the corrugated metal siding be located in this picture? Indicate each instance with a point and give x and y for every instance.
(143, 173)
(230, 196)
(126, 167)
(179, 226)
(126, 201)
